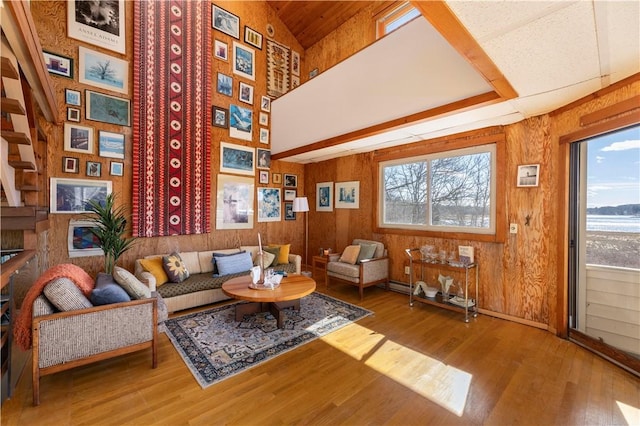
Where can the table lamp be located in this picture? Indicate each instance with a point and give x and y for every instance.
(301, 205)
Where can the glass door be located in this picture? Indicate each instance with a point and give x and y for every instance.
(604, 264)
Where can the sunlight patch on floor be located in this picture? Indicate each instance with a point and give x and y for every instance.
(442, 384)
(631, 414)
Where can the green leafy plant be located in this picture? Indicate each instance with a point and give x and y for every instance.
(110, 230)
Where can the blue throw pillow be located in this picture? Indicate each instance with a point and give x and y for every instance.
(215, 265)
(234, 264)
(108, 291)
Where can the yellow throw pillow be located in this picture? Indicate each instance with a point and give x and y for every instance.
(283, 257)
(350, 254)
(155, 266)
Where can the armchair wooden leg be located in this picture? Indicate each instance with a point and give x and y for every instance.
(361, 288)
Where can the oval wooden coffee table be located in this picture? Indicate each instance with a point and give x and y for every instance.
(292, 288)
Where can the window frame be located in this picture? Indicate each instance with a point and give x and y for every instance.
(392, 14)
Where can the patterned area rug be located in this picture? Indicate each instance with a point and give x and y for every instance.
(214, 346)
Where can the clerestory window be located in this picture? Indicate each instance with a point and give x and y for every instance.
(391, 20)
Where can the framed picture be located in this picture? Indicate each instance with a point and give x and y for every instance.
(252, 37)
(73, 195)
(244, 61)
(220, 50)
(348, 195)
(73, 114)
(264, 135)
(264, 158)
(107, 108)
(246, 93)
(103, 71)
(225, 84)
(99, 23)
(295, 63)
(110, 144)
(295, 81)
(289, 214)
(264, 177)
(225, 22)
(220, 117)
(265, 104)
(70, 164)
(240, 122)
(58, 64)
(269, 205)
(237, 159)
(324, 197)
(94, 169)
(528, 175)
(81, 242)
(276, 177)
(234, 207)
(289, 194)
(116, 168)
(264, 119)
(290, 181)
(72, 97)
(78, 138)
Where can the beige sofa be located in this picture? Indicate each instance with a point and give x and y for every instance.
(202, 288)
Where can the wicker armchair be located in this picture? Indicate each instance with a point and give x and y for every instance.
(65, 340)
(363, 274)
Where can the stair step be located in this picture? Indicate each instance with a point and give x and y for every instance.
(12, 106)
(8, 70)
(17, 138)
(22, 165)
(30, 188)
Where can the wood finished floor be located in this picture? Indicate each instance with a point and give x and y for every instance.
(362, 375)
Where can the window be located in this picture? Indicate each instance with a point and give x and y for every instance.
(391, 20)
(451, 191)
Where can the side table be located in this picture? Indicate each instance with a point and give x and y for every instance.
(319, 261)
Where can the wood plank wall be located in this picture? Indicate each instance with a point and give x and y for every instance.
(50, 19)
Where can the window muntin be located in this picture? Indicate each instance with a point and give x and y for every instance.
(452, 191)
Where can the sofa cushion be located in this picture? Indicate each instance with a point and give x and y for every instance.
(108, 291)
(191, 261)
(65, 295)
(221, 254)
(133, 286)
(175, 268)
(275, 251)
(154, 266)
(366, 252)
(251, 249)
(283, 256)
(345, 269)
(350, 254)
(268, 259)
(379, 246)
(233, 264)
(42, 306)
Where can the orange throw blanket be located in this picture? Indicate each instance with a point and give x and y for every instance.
(22, 326)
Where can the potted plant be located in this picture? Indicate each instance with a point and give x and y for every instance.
(110, 230)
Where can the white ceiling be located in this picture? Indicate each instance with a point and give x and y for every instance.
(552, 53)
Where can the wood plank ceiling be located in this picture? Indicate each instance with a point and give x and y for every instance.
(311, 21)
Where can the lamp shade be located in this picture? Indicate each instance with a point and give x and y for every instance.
(300, 204)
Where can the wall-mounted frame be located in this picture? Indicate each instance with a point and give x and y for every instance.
(110, 144)
(244, 63)
(237, 159)
(107, 108)
(264, 135)
(70, 164)
(276, 178)
(264, 119)
(264, 177)
(116, 168)
(94, 168)
(265, 103)
(240, 122)
(252, 37)
(289, 194)
(78, 138)
(103, 71)
(295, 63)
(220, 50)
(73, 195)
(269, 205)
(81, 241)
(289, 214)
(220, 117)
(234, 208)
(528, 175)
(295, 81)
(246, 93)
(58, 64)
(324, 197)
(225, 21)
(73, 114)
(290, 181)
(72, 97)
(264, 158)
(225, 84)
(104, 27)
(348, 195)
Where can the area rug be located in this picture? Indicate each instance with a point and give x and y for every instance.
(214, 346)
(171, 117)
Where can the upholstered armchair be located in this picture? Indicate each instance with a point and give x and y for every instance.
(364, 263)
